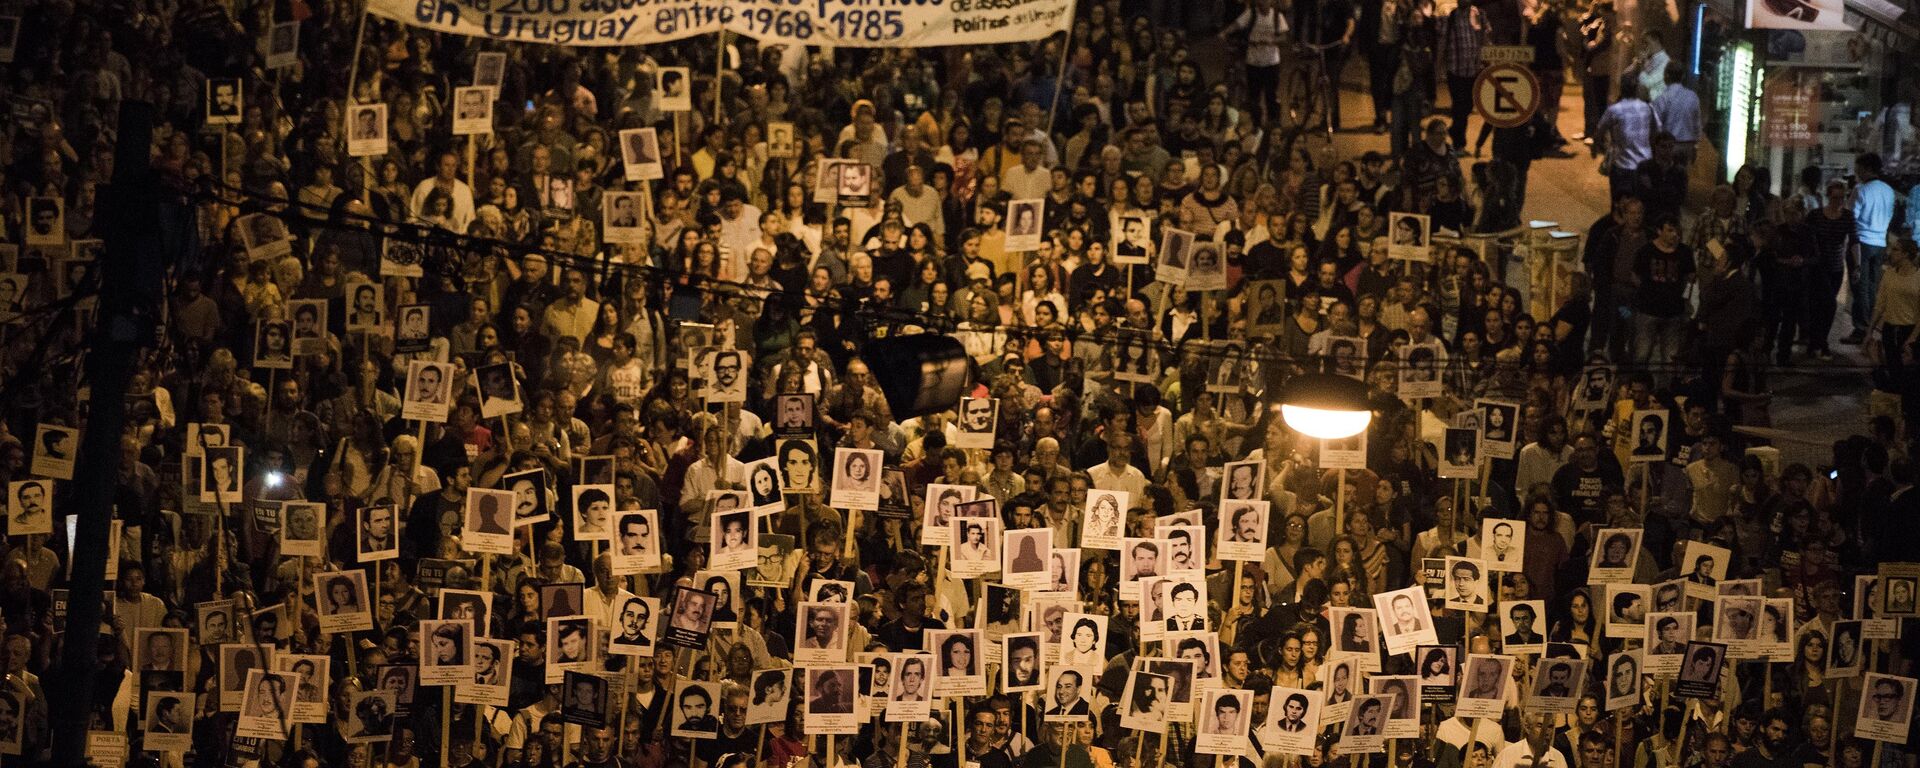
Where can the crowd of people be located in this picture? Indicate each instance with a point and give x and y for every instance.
(590, 465)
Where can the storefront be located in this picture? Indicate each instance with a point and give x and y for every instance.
(1787, 99)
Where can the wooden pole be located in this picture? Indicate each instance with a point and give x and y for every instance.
(1646, 483)
(446, 726)
(1680, 745)
(1766, 684)
(719, 71)
(1620, 736)
(678, 138)
(266, 423)
(1833, 710)
(1340, 503)
(1239, 573)
(1060, 80)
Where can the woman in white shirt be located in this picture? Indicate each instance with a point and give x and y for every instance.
(980, 334)
(1040, 288)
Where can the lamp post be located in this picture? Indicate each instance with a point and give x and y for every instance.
(1328, 407)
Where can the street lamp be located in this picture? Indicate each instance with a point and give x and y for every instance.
(1326, 406)
(1329, 407)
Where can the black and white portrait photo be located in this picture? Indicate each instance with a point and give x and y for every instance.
(640, 154)
(1408, 236)
(693, 710)
(499, 390)
(412, 326)
(583, 699)
(367, 130)
(1886, 707)
(636, 546)
(272, 344)
(622, 217)
(1207, 270)
(780, 140)
(429, 391)
(673, 89)
(856, 478)
(1700, 669)
(800, 465)
(489, 68)
(1025, 221)
(1104, 514)
(1175, 248)
(1650, 435)
(961, 670)
(1460, 453)
(223, 474)
(224, 101)
(281, 47)
(829, 704)
(1132, 240)
(978, 416)
(631, 626)
(54, 449)
(29, 507)
(691, 617)
(341, 597)
(1145, 701)
(854, 186)
(1404, 619)
(1616, 552)
(472, 110)
(366, 307)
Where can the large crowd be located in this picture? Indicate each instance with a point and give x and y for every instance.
(312, 562)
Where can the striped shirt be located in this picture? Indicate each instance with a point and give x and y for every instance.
(1466, 32)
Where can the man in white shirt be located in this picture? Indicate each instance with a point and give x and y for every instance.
(573, 315)
(919, 204)
(1116, 474)
(445, 181)
(1543, 457)
(1030, 179)
(133, 608)
(1714, 480)
(717, 470)
(739, 233)
(1534, 751)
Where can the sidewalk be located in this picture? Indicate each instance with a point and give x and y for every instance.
(1570, 191)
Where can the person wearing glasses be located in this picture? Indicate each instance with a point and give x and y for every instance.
(1889, 696)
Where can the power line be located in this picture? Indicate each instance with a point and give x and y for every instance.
(1207, 350)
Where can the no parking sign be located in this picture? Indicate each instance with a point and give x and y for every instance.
(1506, 95)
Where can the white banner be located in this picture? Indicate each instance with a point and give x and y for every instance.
(863, 23)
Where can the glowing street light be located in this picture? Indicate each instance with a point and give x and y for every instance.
(1326, 406)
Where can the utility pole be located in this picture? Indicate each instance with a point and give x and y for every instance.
(131, 286)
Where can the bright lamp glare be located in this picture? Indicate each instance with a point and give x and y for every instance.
(1325, 424)
(274, 479)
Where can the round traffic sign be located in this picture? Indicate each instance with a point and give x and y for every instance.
(1506, 95)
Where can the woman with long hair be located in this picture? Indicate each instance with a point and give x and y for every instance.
(960, 154)
(1290, 669)
(1577, 623)
(607, 327)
